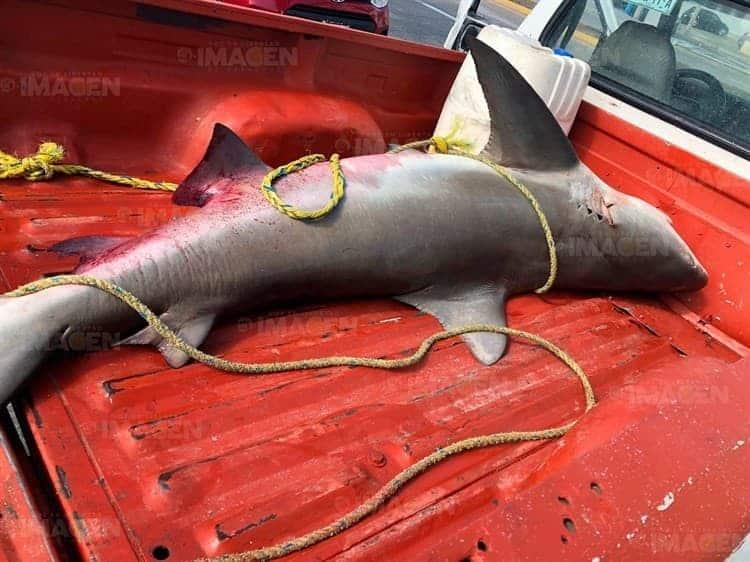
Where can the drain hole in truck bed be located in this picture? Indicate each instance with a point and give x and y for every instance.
(160, 552)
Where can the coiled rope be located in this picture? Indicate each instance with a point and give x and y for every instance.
(44, 164)
(305, 162)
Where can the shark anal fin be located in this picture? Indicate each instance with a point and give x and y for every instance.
(227, 158)
(454, 308)
(192, 330)
(523, 132)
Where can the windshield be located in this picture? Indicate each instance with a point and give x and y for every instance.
(691, 56)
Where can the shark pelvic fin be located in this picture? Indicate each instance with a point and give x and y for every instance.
(454, 308)
(523, 132)
(193, 331)
(147, 336)
(227, 157)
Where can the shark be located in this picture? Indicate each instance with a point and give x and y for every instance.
(440, 232)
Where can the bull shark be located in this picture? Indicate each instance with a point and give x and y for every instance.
(440, 232)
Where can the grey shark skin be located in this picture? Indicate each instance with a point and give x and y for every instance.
(440, 232)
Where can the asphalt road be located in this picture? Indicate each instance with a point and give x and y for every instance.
(428, 21)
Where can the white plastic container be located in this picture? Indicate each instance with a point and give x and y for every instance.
(559, 80)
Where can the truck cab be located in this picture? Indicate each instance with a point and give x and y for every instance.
(110, 455)
(683, 62)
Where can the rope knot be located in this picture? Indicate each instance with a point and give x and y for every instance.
(38, 166)
(46, 162)
(441, 144)
(452, 142)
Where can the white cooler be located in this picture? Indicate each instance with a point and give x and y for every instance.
(559, 80)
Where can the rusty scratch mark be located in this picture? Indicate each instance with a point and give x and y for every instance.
(222, 535)
(634, 319)
(63, 479)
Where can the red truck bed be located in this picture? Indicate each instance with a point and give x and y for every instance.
(143, 462)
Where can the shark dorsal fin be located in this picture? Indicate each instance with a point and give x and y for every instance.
(523, 132)
(227, 156)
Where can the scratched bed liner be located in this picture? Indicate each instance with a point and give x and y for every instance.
(193, 462)
(28, 530)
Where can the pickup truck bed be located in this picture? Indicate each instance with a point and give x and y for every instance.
(141, 462)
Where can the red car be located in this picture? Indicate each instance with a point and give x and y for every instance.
(365, 15)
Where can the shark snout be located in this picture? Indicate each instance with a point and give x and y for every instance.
(698, 275)
(678, 269)
(686, 271)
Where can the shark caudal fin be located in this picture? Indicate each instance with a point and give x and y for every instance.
(523, 133)
(27, 333)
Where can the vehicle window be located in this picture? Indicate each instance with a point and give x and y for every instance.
(431, 21)
(690, 57)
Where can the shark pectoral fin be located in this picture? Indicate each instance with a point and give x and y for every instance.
(193, 331)
(456, 308)
(227, 157)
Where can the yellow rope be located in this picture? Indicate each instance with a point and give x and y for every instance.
(276, 367)
(388, 491)
(444, 145)
(392, 487)
(447, 145)
(46, 163)
(304, 162)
